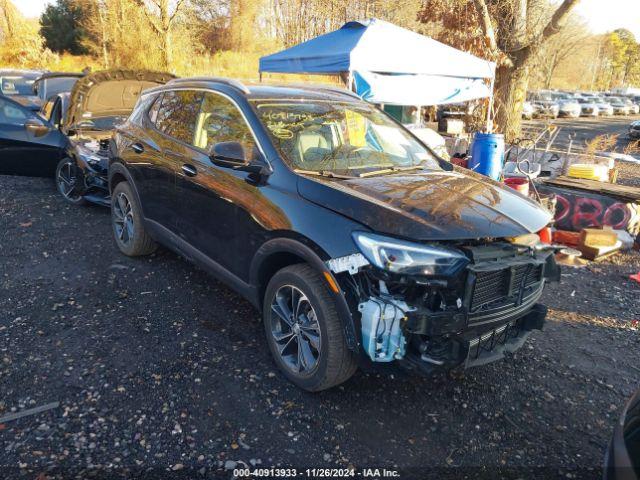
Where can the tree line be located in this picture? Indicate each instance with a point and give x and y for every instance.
(533, 42)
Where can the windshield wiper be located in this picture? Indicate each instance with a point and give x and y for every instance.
(390, 170)
(321, 173)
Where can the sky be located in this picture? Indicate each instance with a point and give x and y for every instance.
(601, 15)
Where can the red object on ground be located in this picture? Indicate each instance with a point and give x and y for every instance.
(565, 237)
(461, 162)
(545, 235)
(635, 277)
(519, 184)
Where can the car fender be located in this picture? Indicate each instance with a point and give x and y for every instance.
(296, 247)
(117, 168)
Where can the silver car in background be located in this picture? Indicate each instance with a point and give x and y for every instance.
(588, 107)
(619, 107)
(633, 108)
(544, 105)
(569, 107)
(604, 106)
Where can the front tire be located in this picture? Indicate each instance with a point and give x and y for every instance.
(304, 333)
(127, 223)
(68, 181)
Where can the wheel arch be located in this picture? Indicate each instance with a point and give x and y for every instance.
(118, 173)
(279, 253)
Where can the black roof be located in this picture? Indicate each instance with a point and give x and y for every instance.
(31, 74)
(264, 91)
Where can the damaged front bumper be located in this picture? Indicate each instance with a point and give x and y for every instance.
(471, 349)
(475, 318)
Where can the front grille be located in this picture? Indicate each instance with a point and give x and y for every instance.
(499, 286)
(490, 286)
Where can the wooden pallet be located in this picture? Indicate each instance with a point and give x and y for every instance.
(622, 192)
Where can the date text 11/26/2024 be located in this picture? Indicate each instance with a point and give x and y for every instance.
(315, 473)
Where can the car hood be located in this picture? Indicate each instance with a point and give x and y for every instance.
(435, 205)
(110, 93)
(31, 102)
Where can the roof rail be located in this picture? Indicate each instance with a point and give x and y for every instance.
(227, 81)
(342, 90)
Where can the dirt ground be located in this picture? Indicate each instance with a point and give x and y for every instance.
(162, 372)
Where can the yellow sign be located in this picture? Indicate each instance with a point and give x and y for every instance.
(356, 129)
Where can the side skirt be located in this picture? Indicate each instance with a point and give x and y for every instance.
(178, 245)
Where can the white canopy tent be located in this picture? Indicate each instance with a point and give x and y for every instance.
(389, 64)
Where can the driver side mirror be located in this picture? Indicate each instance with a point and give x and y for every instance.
(36, 127)
(232, 155)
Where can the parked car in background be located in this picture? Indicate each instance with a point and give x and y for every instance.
(18, 84)
(97, 103)
(619, 107)
(68, 137)
(622, 461)
(634, 129)
(632, 107)
(544, 104)
(29, 145)
(528, 110)
(588, 107)
(568, 107)
(355, 241)
(604, 107)
(53, 83)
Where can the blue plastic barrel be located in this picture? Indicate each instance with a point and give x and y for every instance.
(487, 154)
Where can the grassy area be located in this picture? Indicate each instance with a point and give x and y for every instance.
(240, 65)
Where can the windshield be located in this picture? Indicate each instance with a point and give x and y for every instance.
(16, 85)
(99, 123)
(53, 86)
(350, 139)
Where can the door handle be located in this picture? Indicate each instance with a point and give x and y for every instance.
(189, 170)
(137, 147)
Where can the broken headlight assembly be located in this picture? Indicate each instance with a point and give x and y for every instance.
(87, 154)
(407, 258)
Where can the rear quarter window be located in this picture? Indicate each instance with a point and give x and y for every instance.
(144, 104)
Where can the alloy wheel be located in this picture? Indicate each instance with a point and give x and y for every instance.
(123, 219)
(295, 330)
(67, 182)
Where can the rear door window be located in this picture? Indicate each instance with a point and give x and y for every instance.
(177, 114)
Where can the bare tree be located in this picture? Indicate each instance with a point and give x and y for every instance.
(161, 20)
(515, 43)
(561, 48)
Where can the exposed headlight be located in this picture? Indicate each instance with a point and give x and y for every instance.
(87, 154)
(409, 258)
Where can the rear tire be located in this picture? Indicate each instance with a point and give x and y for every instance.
(127, 223)
(325, 360)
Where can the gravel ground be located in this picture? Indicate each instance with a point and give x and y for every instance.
(580, 131)
(160, 371)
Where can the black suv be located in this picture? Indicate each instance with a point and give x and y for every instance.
(358, 245)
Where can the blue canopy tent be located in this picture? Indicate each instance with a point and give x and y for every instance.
(390, 65)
